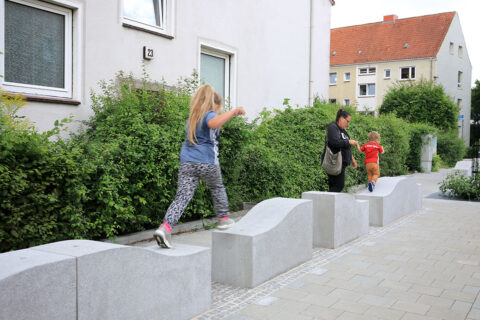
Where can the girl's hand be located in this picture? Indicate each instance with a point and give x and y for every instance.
(239, 111)
(353, 142)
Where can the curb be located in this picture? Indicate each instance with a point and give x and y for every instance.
(191, 226)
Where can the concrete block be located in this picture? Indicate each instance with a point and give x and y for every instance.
(337, 218)
(464, 167)
(37, 285)
(121, 282)
(273, 237)
(427, 152)
(392, 198)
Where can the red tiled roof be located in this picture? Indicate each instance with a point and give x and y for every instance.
(382, 42)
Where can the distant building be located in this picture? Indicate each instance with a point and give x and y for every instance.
(256, 53)
(365, 60)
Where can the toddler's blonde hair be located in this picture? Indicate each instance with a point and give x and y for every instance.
(374, 136)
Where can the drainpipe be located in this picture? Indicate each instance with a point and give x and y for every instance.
(310, 98)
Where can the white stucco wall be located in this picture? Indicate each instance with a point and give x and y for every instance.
(273, 56)
(447, 72)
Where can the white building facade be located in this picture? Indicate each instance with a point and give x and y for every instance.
(255, 52)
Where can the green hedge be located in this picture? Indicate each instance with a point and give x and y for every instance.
(119, 174)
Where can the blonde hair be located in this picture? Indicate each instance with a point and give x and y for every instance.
(218, 100)
(202, 101)
(374, 136)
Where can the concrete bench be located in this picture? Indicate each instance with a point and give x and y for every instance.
(392, 198)
(273, 237)
(337, 218)
(464, 167)
(81, 279)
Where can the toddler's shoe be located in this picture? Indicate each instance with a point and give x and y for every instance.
(225, 223)
(164, 237)
(370, 186)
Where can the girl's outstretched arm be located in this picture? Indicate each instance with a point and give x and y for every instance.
(219, 120)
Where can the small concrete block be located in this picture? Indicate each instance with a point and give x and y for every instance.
(273, 237)
(37, 285)
(337, 218)
(392, 198)
(121, 282)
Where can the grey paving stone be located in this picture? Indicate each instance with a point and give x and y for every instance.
(462, 306)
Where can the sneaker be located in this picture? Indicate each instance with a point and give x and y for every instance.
(225, 223)
(163, 238)
(370, 186)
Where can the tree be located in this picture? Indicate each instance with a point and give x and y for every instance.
(475, 111)
(475, 114)
(422, 101)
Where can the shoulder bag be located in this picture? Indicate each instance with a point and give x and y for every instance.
(332, 162)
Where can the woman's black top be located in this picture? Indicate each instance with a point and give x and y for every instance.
(338, 141)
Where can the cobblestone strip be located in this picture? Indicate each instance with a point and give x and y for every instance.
(227, 300)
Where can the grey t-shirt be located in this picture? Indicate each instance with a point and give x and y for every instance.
(206, 149)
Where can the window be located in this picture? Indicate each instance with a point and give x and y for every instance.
(333, 101)
(333, 78)
(346, 102)
(37, 46)
(365, 71)
(215, 71)
(407, 73)
(154, 16)
(346, 76)
(451, 47)
(459, 79)
(386, 74)
(367, 89)
(460, 51)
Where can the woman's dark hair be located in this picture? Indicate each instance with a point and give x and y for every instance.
(342, 113)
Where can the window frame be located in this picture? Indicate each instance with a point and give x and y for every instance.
(368, 71)
(330, 78)
(333, 101)
(58, 7)
(460, 79)
(367, 90)
(460, 52)
(214, 49)
(166, 30)
(410, 68)
(346, 102)
(385, 74)
(451, 48)
(345, 77)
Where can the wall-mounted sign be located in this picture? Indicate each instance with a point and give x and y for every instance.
(147, 53)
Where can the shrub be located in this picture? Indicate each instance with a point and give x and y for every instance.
(119, 174)
(450, 147)
(460, 186)
(39, 184)
(421, 101)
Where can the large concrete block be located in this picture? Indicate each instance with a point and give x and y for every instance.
(37, 285)
(273, 237)
(337, 218)
(464, 167)
(121, 282)
(392, 198)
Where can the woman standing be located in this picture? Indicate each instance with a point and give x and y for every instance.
(339, 141)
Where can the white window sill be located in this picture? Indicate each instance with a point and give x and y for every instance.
(332, 84)
(366, 96)
(147, 29)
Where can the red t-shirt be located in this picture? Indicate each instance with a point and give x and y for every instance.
(371, 150)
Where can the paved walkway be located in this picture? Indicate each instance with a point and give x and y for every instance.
(423, 266)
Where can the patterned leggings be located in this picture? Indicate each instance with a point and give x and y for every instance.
(189, 176)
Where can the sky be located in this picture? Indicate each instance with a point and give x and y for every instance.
(354, 12)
